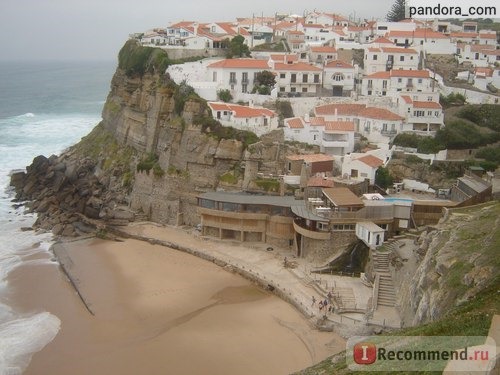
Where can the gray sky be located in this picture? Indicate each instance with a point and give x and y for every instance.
(96, 29)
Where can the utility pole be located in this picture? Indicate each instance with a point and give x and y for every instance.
(253, 21)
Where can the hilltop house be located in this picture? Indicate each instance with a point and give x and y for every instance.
(424, 115)
(423, 39)
(257, 120)
(338, 77)
(392, 82)
(361, 167)
(380, 59)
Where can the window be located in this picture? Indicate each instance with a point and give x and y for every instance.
(213, 29)
(370, 83)
(232, 87)
(214, 76)
(384, 127)
(293, 89)
(419, 80)
(315, 137)
(316, 78)
(429, 113)
(393, 127)
(374, 57)
(294, 78)
(384, 84)
(400, 80)
(282, 75)
(384, 93)
(232, 77)
(282, 89)
(340, 77)
(244, 88)
(304, 89)
(304, 78)
(244, 77)
(437, 113)
(429, 98)
(401, 58)
(369, 92)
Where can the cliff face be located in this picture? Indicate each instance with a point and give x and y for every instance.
(456, 259)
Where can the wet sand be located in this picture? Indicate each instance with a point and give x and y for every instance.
(160, 311)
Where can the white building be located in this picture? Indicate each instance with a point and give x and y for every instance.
(477, 54)
(333, 137)
(299, 79)
(385, 58)
(423, 117)
(326, 19)
(381, 28)
(322, 54)
(392, 82)
(338, 77)
(236, 75)
(370, 233)
(257, 120)
(423, 39)
(361, 167)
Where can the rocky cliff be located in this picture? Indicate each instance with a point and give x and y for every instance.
(456, 259)
(156, 148)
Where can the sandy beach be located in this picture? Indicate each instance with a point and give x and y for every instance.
(161, 311)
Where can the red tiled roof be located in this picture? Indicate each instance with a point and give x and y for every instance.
(488, 72)
(382, 40)
(338, 64)
(317, 121)
(399, 73)
(295, 32)
(488, 35)
(371, 161)
(492, 52)
(380, 114)
(342, 109)
(240, 64)
(324, 49)
(380, 75)
(398, 50)
(240, 110)
(284, 57)
(320, 182)
(300, 66)
(311, 158)
(407, 99)
(344, 126)
(295, 123)
(463, 35)
(431, 105)
(418, 33)
(182, 24)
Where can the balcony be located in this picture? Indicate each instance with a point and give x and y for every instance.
(316, 235)
(329, 143)
(389, 132)
(245, 81)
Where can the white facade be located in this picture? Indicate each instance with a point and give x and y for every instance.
(339, 77)
(426, 40)
(386, 58)
(381, 28)
(299, 78)
(424, 115)
(333, 137)
(361, 167)
(393, 82)
(257, 120)
(370, 233)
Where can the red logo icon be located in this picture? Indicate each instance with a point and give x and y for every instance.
(365, 353)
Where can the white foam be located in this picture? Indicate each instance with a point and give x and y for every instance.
(21, 337)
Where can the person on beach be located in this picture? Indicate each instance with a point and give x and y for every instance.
(313, 301)
(320, 305)
(329, 295)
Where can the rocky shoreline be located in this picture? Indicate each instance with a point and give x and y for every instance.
(70, 198)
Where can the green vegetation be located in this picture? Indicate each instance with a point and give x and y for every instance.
(484, 115)
(214, 129)
(273, 47)
(491, 155)
(173, 171)
(264, 82)
(459, 134)
(414, 159)
(237, 48)
(268, 184)
(182, 93)
(423, 144)
(383, 178)
(229, 178)
(224, 95)
(150, 162)
(397, 11)
(451, 100)
(137, 60)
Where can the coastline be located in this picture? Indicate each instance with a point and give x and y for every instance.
(124, 284)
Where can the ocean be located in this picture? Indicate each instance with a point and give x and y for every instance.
(44, 108)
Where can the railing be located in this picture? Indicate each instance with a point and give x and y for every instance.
(233, 81)
(310, 233)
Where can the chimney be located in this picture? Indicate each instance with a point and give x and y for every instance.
(306, 118)
(195, 27)
(335, 114)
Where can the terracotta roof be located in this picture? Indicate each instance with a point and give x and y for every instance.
(418, 33)
(311, 158)
(295, 123)
(407, 99)
(342, 197)
(410, 73)
(488, 72)
(398, 50)
(317, 121)
(342, 109)
(313, 25)
(488, 35)
(240, 64)
(295, 32)
(300, 66)
(182, 24)
(382, 40)
(320, 182)
(379, 114)
(324, 49)
(284, 57)
(380, 75)
(492, 52)
(481, 47)
(371, 161)
(463, 35)
(344, 126)
(432, 105)
(338, 64)
(240, 110)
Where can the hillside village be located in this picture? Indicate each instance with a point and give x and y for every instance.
(353, 87)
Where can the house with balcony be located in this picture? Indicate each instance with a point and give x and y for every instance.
(297, 79)
(236, 75)
(390, 58)
(333, 137)
(423, 117)
(393, 82)
(295, 40)
(257, 120)
(339, 77)
(322, 54)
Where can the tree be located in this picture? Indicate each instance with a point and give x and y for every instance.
(224, 95)
(237, 48)
(264, 82)
(397, 12)
(383, 178)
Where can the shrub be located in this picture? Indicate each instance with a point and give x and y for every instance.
(268, 184)
(137, 60)
(224, 95)
(383, 178)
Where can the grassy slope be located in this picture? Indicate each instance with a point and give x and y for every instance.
(477, 231)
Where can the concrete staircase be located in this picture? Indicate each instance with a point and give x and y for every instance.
(386, 294)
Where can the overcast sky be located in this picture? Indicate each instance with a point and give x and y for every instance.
(96, 29)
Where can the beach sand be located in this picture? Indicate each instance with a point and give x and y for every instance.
(161, 311)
